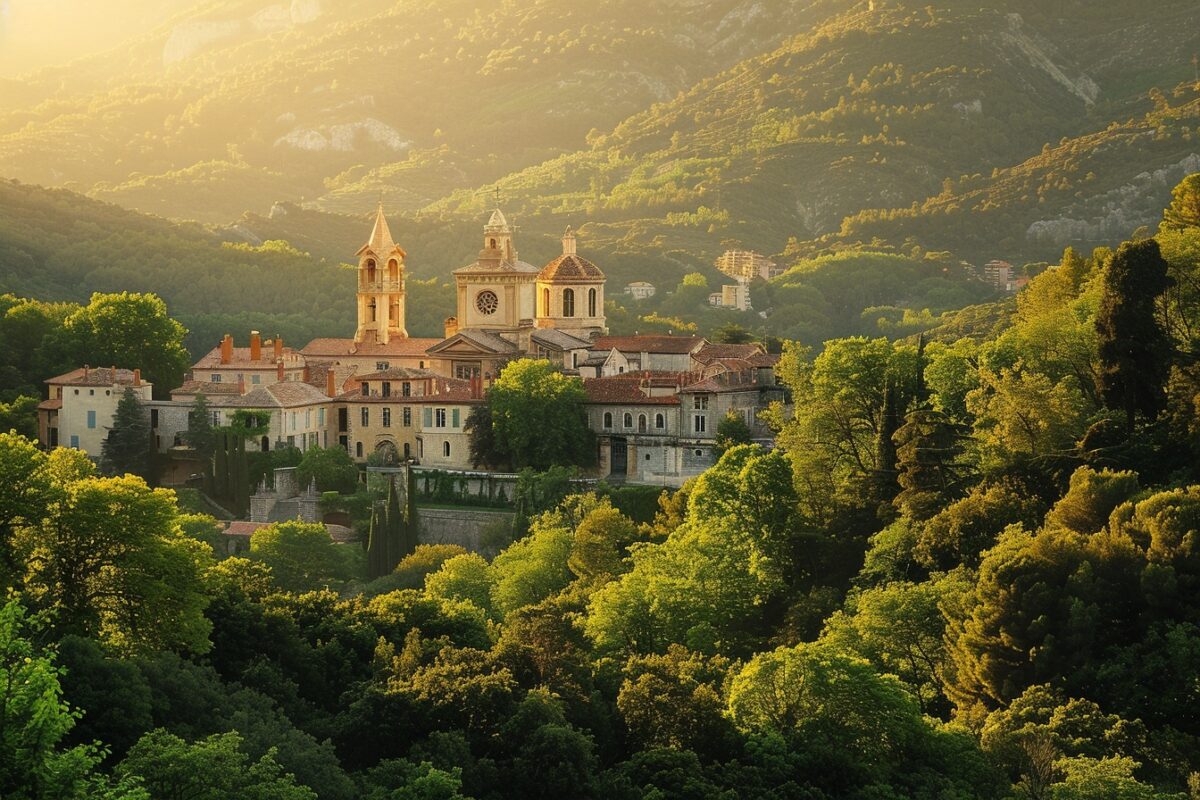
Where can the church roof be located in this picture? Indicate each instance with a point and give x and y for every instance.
(483, 340)
(559, 340)
(381, 243)
(341, 348)
(570, 267)
(497, 266)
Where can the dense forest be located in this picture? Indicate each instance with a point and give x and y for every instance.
(967, 570)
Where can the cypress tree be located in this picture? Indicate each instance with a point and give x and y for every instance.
(241, 476)
(126, 449)
(376, 545)
(1134, 349)
(885, 447)
(220, 466)
(412, 523)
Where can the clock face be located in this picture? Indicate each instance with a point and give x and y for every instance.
(487, 303)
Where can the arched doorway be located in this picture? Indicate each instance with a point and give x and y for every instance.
(387, 454)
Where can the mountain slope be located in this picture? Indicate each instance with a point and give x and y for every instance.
(239, 103)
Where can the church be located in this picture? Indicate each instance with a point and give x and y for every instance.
(506, 308)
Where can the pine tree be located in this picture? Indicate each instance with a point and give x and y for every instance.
(1134, 350)
(126, 449)
(201, 437)
(1184, 211)
(930, 475)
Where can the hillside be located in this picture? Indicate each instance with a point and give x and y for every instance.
(1086, 191)
(238, 103)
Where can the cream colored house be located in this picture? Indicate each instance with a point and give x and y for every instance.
(79, 409)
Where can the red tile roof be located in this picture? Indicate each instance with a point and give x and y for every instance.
(679, 345)
(206, 388)
(712, 352)
(50, 405)
(619, 390)
(348, 347)
(94, 376)
(240, 358)
(570, 267)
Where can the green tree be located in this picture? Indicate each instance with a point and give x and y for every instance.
(111, 562)
(1134, 350)
(26, 488)
(127, 448)
(202, 437)
(389, 540)
(538, 418)
(732, 333)
(331, 467)
(482, 438)
(214, 768)
(1184, 210)
(301, 555)
(134, 330)
(929, 470)
(20, 416)
(34, 720)
(731, 432)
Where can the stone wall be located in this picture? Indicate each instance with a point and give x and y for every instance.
(464, 527)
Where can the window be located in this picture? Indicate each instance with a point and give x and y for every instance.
(380, 366)
(699, 453)
(91, 417)
(454, 418)
(591, 302)
(628, 420)
(700, 402)
(320, 418)
(358, 449)
(74, 441)
(407, 417)
(607, 419)
(568, 302)
(641, 423)
(92, 392)
(545, 302)
(406, 389)
(440, 418)
(366, 389)
(387, 418)
(700, 423)
(446, 449)
(291, 441)
(647, 456)
(660, 421)
(154, 418)
(487, 303)
(292, 416)
(387, 388)
(307, 418)
(366, 417)
(427, 417)
(216, 378)
(254, 379)
(215, 418)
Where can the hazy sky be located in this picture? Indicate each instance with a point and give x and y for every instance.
(37, 33)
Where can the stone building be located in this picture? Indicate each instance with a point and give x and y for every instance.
(79, 409)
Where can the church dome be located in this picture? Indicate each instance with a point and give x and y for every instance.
(570, 267)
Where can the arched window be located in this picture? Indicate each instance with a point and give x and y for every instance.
(446, 449)
(607, 419)
(641, 423)
(568, 302)
(372, 310)
(660, 421)
(545, 302)
(370, 270)
(266, 444)
(393, 270)
(492, 243)
(591, 302)
(628, 420)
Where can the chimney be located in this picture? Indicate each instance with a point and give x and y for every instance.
(137, 377)
(227, 349)
(255, 346)
(331, 383)
(307, 374)
(241, 384)
(278, 347)
(279, 371)
(451, 326)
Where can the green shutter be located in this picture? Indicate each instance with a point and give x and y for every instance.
(428, 417)
(454, 418)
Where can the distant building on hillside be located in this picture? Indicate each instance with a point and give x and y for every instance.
(732, 295)
(999, 274)
(640, 290)
(747, 265)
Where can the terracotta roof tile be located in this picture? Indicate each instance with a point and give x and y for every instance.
(621, 390)
(94, 376)
(205, 388)
(712, 352)
(677, 345)
(340, 348)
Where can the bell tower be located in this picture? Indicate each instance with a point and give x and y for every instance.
(380, 286)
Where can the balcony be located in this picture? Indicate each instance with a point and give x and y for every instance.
(381, 286)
